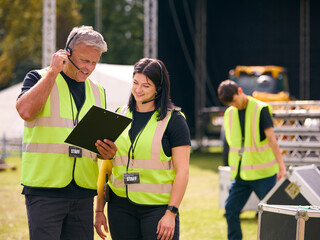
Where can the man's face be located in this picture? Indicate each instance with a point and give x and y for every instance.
(239, 100)
(86, 58)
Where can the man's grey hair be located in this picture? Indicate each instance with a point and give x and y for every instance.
(88, 36)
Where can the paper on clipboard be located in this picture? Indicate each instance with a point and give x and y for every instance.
(97, 123)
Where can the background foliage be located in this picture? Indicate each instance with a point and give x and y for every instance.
(21, 32)
(122, 28)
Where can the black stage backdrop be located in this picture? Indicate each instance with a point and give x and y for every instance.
(239, 32)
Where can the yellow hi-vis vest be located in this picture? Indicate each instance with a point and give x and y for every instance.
(45, 157)
(155, 168)
(258, 160)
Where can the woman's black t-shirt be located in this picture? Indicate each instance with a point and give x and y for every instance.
(176, 134)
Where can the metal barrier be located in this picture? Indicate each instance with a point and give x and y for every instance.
(9, 147)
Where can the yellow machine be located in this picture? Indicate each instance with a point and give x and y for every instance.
(266, 83)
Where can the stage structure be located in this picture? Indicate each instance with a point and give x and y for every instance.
(304, 49)
(198, 68)
(200, 41)
(48, 31)
(151, 28)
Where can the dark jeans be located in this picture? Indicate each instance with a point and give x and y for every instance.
(59, 218)
(239, 194)
(135, 222)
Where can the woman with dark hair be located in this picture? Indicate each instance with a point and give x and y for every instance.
(151, 167)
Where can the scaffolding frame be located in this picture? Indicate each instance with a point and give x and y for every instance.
(48, 31)
(151, 28)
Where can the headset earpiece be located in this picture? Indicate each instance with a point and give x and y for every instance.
(161, 78)
(158, 87)
(68, 49)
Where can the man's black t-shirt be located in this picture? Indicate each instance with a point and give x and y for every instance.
(265, 122)
(72, 190)
(76, 89)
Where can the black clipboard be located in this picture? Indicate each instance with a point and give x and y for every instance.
(97, 123)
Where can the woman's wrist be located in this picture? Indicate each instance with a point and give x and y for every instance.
(114, 156)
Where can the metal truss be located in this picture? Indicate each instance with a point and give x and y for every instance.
(297, 127)
(151, 28)
(48, 31)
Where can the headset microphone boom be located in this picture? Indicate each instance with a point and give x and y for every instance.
(69, 50)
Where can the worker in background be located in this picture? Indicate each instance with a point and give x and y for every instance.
(60, 181)
(151, 168)
(254, 157)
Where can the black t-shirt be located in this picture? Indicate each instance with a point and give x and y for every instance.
(77, 89)
(72, 190)
(176, 134)
(265, 122)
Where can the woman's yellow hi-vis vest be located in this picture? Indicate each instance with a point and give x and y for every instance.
(155, 168)
(45, 157)
(258, 160)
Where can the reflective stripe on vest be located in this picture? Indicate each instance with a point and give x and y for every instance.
(155, 168)
(258, 160)
(45, 159)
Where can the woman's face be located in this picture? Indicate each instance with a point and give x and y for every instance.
(143, 89)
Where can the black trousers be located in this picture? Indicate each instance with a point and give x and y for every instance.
(135, 222)
(59, 218)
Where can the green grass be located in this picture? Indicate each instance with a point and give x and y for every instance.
(200, 215)
(13, 217)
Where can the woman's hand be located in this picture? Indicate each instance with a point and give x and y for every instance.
(106, 148)
(101, 221)
(166, 226)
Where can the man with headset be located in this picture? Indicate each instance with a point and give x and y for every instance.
(60, 180)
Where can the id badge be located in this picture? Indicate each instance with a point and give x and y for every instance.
(131, 178)
(75, 152)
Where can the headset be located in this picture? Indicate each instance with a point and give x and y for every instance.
(161, 77)
(159, 87)
(69, 50)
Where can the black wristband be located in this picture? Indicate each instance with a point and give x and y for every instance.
(173, 209)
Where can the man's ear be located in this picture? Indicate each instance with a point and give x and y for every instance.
(240, 91)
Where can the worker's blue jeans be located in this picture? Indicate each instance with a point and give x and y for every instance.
(239, 194)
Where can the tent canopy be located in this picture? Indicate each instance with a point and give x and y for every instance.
(116, 79)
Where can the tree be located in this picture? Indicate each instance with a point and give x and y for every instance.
(20, 31)
(68, 16)
(122, 28)
(21, 37)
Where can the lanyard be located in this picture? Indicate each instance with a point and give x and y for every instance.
(74, 119)
(74, 151)
(135, 141)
